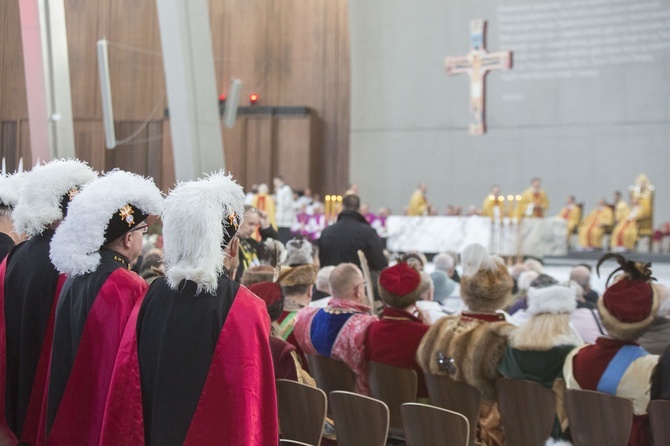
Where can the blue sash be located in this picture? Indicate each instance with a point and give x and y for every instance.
(324, 330)
(617, 367)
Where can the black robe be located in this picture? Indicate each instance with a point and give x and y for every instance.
(30, 286)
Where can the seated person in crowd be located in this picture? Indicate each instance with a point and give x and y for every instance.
(445, 262)
(322, 286)
(625, 233)
(393, 339)
(284, 358)
(593, 228)
(537, 349)
(252, 250)
(434, 302)
(660, 385)
(468, 346)
(571, 213)
(338, 331)
(657, 338)
(297, 285)
(616, 364)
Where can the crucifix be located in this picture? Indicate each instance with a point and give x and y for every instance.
(476, 64)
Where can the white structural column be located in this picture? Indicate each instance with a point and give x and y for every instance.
(197, 144)
(47, 73)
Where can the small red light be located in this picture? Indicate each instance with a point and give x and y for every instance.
(253, 98)
(222, 97)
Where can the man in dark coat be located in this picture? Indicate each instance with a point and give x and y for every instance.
(340, 242)
(95, 246)
(29, 289)
(194, 366)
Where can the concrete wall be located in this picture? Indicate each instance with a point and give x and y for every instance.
(586, 106)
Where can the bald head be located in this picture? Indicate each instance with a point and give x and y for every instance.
(581, 275)
(345, 281)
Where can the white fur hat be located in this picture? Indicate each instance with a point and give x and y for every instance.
(551, 299)
(75, 245)
(10, 186)
(43, 190)
(200, 218)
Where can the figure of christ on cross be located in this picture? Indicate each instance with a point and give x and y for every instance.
(476, 64)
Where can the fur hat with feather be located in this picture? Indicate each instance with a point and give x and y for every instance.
(78, 239)
(200, 219)
(45, 191)
(629, 306)
(485, 283)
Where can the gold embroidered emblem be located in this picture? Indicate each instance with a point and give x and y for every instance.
(126, 214)
(232, 220)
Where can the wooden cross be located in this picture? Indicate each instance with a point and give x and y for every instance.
(476, 64)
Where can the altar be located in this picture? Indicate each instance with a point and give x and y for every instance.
(535, 237)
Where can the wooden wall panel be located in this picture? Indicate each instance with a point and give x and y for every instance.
(136, 63)
(13, 101)
(259, 156)
(291, 52)
(24, 144)
(234, 144)
(82, 19)
(9, 142)
(89, 139)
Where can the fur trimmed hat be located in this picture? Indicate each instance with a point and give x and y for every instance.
(10, 187)
(270, 292)
(628, 307)
(200, 218)
(273, 296)
(46, 191)
(299, 252)
(485, 283)
(298, 275)
(258, 274)
(551, 299)
(104, 210)
(399, 285)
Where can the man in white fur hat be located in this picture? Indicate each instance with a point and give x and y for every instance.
(95, 246)
(29, 289)
(195, 365)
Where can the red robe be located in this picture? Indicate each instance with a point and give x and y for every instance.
(90, 319)
(394, 339)
(233, 396)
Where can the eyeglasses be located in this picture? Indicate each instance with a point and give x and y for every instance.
(143, 229)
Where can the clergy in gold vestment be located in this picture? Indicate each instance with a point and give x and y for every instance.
(642, 192)
(534, 201)
(571, 213)
(418, 204)
(624, 234)
(593, 227)
(493, 207)
(620, 206)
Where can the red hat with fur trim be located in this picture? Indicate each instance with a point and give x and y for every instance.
(628, 307)
(399, 285)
